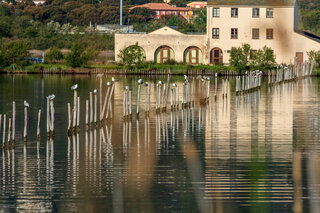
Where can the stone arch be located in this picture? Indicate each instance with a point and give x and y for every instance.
(163, 54)
(192, 55)
(216, 56)
(136, 48)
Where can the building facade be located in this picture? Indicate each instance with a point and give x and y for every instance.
(271, 23)
(197, 4)
(163, 9)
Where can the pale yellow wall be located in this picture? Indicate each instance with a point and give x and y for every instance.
(285, 41)
(150, 42)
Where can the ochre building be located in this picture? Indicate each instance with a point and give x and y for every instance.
(230, 23)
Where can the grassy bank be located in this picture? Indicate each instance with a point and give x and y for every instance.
(149, 67)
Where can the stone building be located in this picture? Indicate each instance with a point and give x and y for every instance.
(230, 23)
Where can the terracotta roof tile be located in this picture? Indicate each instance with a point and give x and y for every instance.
(160, 6)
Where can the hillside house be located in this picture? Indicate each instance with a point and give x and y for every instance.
(163, 9)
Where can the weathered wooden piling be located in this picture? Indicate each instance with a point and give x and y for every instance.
(95, 108)
(138, 99)
(9, 134)
(87, 114)
(25, 123)
(91, 108)
(13, 121)
(78, 113)
(38, 125)
(4, 131)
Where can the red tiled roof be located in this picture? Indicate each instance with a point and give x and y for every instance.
(160, 6)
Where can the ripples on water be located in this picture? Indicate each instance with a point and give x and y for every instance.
(258, 152)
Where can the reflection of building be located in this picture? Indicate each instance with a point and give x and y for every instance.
(163, 9)
(197, 4)
(257, 22)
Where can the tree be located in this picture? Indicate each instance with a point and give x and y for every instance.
(263, 59)
(314, 56)
(15, 52)
(133, 55)
(74, 58)
(239, 57)
(54, 54)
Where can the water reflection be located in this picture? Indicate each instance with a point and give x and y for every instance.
(253, 152)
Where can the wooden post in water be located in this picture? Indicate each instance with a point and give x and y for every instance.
(13, 121)
(91, 108)
(52, 117)
(78, 113)
(48, 118)
(9, 134)
(138, 99)
(38, 125)
(95, 108)
(69, 118)
(4, 131)
(87, 114)
(25, 123)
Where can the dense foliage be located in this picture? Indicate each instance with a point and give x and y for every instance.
(132, 55)
(314, 56)
(14, 53)
(243, 58)
(310, 15)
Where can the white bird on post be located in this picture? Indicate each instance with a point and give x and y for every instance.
(26, 104)
(74, 87)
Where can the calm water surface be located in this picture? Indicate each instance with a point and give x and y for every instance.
(253, 153)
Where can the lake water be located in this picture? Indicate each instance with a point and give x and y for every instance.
(254, 153)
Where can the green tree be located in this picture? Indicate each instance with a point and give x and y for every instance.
(75, 58)
(314, 56)
(239, 57)
(263, 59)
(54, 55)
(15, 52)
(133, 55)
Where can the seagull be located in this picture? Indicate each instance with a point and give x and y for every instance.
(199, 77)
(160, 82)
(26, 104)
(140, 81)
(174, 85)
(51, 97)
(128, 88)
(146, 84)
(95, 91)
(113, 79)
(74, 87)
(216, 74)
(100, 75)
(108, 83)
(186, 77)
(208, 78)
(246, 72)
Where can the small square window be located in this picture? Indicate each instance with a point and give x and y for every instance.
(269, 33)
(234, 33)
(269, 13)
(215, 33)
(255, 12)
(255, 33)
(234, 12)
(216, 12)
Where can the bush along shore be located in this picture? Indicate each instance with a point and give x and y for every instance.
(15, 58)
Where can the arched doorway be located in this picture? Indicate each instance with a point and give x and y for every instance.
(216, 56)
(192, 55)
(163, 54)
(136, 54)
